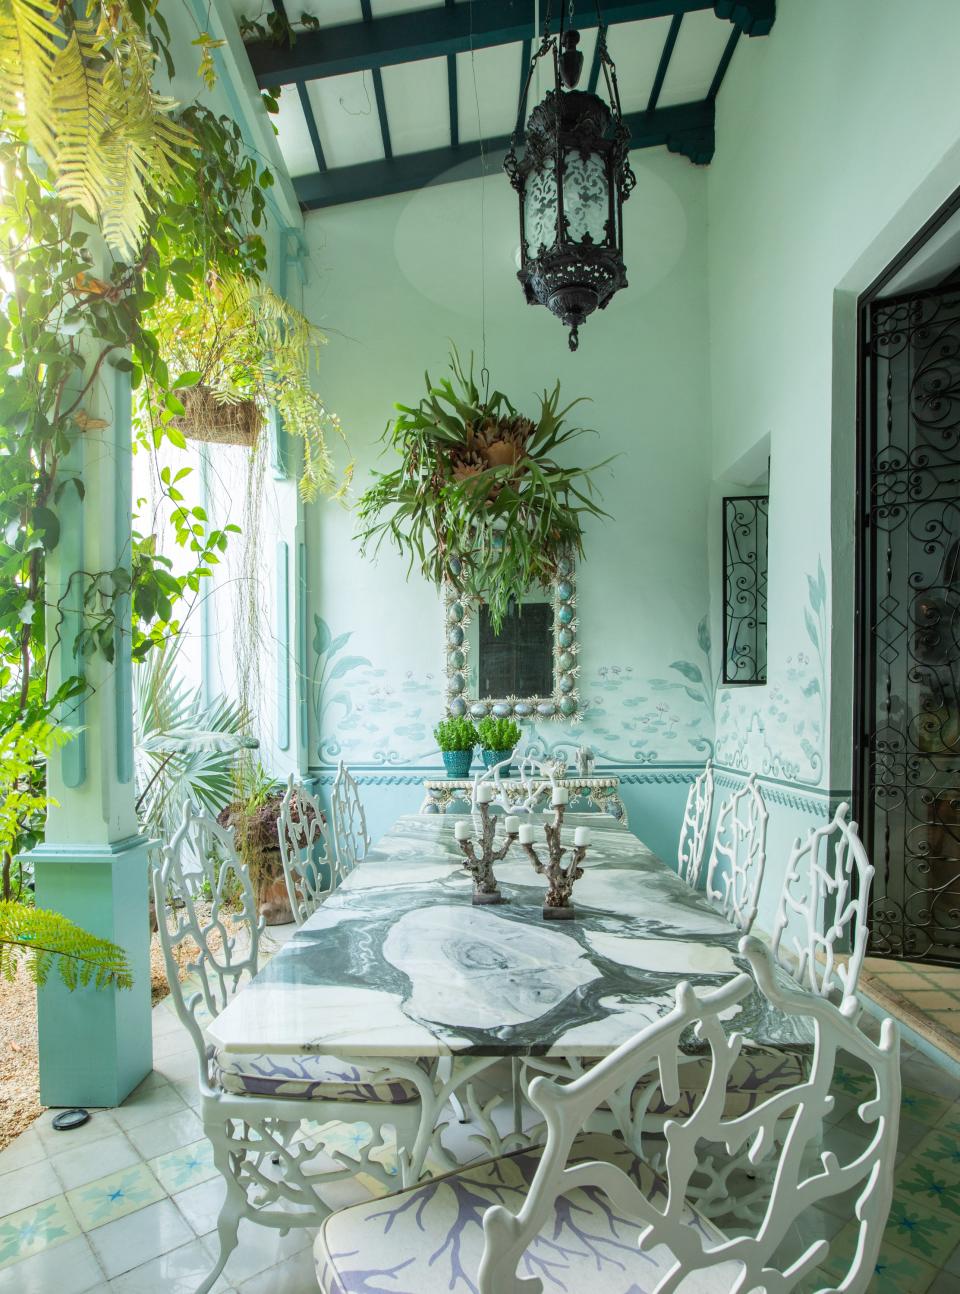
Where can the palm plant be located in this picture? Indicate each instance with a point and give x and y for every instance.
(478, 497)
(185, 747)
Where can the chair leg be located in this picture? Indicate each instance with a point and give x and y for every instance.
(228, 1225)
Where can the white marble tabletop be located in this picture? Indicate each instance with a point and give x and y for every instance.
(398, 962)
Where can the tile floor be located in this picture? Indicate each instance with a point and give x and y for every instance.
(931, 991)
(128, 1203)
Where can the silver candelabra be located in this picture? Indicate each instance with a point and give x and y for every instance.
(557, 905)
(480, 866)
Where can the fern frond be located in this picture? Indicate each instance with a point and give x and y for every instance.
(78, 105)
(29, 42)
(47, 940)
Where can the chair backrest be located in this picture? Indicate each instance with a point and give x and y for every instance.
(675, 1244)
(739, 855)
(696, 825)
(823, 908)
(207, 920)
(305, 850)
(348, 821)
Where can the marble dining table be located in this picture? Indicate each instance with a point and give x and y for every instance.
(398, 963)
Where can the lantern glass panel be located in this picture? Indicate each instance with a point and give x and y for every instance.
(540, 209)
(586, 202)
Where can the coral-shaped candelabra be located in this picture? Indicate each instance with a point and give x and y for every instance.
(481, 867)
(557, 905)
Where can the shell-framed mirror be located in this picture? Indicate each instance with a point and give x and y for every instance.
(527, 670)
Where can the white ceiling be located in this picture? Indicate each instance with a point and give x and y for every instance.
(488, 86)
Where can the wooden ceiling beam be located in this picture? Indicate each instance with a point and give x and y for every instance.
(454, 29)
(686, 128)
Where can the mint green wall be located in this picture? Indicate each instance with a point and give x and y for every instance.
(403, 278)
(837, 139)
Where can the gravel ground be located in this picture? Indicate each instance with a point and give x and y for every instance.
(19, 1077)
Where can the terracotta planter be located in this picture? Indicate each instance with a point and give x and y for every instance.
(273, 902)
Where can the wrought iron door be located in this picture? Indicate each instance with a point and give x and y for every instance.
(909, 615)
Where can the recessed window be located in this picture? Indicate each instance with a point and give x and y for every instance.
(745, 588)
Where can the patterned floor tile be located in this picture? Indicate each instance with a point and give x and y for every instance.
(895, 1271)
(32, 1230)
(924, 1229)
(67, 1268)
(917, 1104)
(941, 1149)
(188, 1166)
(114, 1196)
(128, 1243)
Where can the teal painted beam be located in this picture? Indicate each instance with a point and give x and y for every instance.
(687, 129)
(724, 63)
(665, 56)
(96, 1045)
(455, 29)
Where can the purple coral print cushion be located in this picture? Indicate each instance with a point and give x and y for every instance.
(757, 1074)
(429, 1239)
(317, 1078)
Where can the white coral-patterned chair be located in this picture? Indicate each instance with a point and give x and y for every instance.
(583, 1213)
(823, 909)
(696, 827)
(305, 850)
(738, 856)
(252, 1106)
(348, 821)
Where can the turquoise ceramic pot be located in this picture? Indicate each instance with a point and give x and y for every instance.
(491, 757)
(457, 762)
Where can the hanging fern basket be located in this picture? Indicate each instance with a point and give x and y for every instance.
(208, 418)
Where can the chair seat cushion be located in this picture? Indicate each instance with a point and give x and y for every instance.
(428, 1239)
(758, 1073)
(313, 1078)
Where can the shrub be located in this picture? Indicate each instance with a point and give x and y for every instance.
(498, 734)
(455, 734)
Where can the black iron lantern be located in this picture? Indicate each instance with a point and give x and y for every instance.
(572, 180)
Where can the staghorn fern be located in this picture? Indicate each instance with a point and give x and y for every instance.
(78, 85)
(46, 940)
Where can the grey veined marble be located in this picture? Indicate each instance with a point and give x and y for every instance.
(398, 962)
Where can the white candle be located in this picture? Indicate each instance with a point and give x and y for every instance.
(526, 833)
(511, 825)
(560, 795)
(581, 836)
(462, 830)
(485, 793)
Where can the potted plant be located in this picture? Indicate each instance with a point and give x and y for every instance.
(498, 740)
(478, 497)
(456, 739)
(253, 816)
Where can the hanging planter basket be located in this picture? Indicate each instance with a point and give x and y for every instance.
(207, 418)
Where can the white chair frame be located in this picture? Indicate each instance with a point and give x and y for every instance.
(667, 1226)
(696, 827)
(738, 856)
(305, 848)
(258, 1144)
(348, 822)
(826, 893)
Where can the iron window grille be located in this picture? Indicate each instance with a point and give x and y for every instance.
(745, 589)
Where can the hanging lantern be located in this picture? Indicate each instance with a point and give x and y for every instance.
(572, 180)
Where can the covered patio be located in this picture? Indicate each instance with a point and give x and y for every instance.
(479, 677)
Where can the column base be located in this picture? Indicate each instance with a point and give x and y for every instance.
(96, 1045)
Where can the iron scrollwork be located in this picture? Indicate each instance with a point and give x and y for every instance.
(910, 688)
(745, 589)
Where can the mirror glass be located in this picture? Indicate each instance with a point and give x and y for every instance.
(519, 660)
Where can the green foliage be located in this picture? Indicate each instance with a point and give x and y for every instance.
(185, 748)
(478, 497)
(498, 734)
(274, 26)
(46, 940)
(24, 745)
(76, 83)
(455, 734)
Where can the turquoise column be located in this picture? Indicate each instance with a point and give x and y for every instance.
(95, 1044)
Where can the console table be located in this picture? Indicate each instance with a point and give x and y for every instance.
(602, 792)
